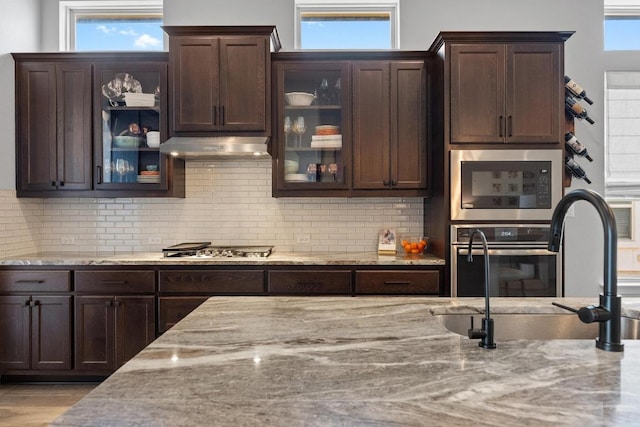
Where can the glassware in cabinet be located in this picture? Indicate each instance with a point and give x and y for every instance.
(131, 125)
(313, 136)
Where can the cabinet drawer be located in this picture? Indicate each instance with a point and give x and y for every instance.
(212, 282)
(398, 282)
(173, 309)
(310, 282)
(35, 281)
(115, 282)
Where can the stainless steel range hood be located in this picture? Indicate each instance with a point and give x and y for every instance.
(216, 147)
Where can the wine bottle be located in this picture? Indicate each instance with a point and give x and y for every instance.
(576, 146)
(576, 90)
(576, 110)
(576, 170)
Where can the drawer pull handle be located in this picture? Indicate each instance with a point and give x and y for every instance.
(397, 282)
(113, 282)
(31, 282)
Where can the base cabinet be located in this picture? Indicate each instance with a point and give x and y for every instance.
(171, 310)
(35, 332)
(112, 329)
(115, 317)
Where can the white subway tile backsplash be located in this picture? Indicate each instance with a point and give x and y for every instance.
(225, 203)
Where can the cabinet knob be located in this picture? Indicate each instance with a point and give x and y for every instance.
(61, 183)
(509, 126)
(53, 183)
(394, 183)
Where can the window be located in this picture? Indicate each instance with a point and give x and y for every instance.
(622, 175)
(333, 24)
(111, 25)
(621, 25)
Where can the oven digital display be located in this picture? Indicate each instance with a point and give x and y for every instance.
(506, 234)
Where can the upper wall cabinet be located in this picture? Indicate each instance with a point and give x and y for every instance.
(53, 126)
(364, 120)
(90, 125)
(220, 78)
(504, 87)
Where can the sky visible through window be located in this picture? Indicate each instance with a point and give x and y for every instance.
(345, 34)
(622, 33)
(119, 34)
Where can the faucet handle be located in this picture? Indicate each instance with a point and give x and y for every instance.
(475, 333)
(588, 314)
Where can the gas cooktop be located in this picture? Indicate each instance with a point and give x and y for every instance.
(205, 250)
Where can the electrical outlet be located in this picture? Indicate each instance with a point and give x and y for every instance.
(156, 240)
(303, 238)
(68, 240)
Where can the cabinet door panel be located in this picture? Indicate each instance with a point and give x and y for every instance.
(408, 125)
(36, 119)
(74, 126)
(51, 333)
(195, 77)
(94, 335)
(371, 125)
(243, 71)
(14, 332)
(534, 93)
(135, 325)
(477, 93)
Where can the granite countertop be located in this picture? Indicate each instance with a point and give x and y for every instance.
(320, 361)
(276, 258)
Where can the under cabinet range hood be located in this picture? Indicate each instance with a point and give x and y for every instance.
(216, 147)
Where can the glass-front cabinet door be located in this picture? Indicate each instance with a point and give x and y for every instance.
(131, 101)
(313, 132)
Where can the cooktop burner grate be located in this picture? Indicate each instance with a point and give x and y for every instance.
(205, 250)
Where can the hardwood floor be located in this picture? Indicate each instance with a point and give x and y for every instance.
(38, 404)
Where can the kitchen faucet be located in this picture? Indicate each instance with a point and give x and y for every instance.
(609, 310)
(486, 333)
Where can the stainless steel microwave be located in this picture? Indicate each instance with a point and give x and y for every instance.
(505, 184)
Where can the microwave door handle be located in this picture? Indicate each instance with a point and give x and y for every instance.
(498, 252)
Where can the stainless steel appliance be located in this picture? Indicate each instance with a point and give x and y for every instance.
(205, 250)
(520, 264)
(510, 185)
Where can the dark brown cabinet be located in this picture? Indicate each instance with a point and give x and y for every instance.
(114, 317)
(53, 125)
(309, 282)
(506, 92)
(181, 291)
(389, 125)
(220, 79)
(35, 321)
(80, 134)
(365, 130)
(423, 282)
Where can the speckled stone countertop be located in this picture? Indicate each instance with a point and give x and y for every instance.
(316, 361)
(276, 258)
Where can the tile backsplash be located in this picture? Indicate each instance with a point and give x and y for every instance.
(227, 203)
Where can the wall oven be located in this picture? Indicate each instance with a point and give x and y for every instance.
(520, 264)
(510, 185)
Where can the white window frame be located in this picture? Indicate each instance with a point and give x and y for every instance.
(69, 10)
(621, 8)
(348, 6)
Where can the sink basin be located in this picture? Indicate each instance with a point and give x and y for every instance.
(537, 326)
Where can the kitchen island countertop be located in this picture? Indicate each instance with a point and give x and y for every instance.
(276, 258)
(320, 361)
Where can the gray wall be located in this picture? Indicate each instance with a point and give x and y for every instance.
(420, 22)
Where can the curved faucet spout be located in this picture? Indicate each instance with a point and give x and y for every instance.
(609, 338)
(486, 333)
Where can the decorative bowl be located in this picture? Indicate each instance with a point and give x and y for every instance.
(299, 99)
(290, 166)
(126, 141)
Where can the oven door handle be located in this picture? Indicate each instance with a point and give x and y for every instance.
(478, 252)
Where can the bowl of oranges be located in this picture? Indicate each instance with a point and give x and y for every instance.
(414, 245)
